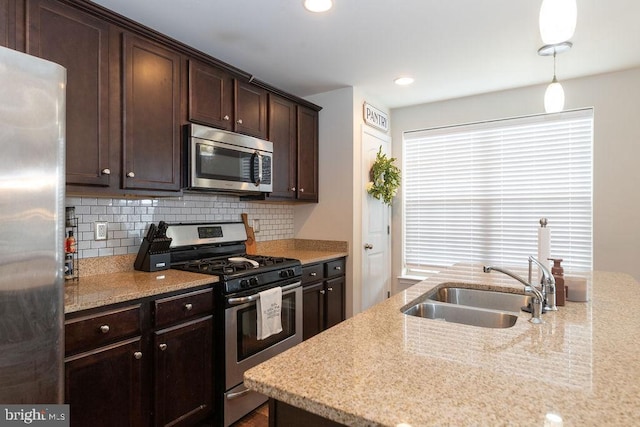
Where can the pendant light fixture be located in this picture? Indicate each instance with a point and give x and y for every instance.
(557, 25)
(557, 20)
(554, 95)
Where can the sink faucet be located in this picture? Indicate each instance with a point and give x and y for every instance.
(537, 300)
(548, 286)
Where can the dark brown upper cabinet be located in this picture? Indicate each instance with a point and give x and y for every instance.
(210, 96)
(282, 133)
(150, 115)
(307, 189)
(250, 109)
(80, 43)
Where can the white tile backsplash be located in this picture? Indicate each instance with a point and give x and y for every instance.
(129, 219)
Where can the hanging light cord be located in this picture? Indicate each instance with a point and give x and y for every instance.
(554, 68)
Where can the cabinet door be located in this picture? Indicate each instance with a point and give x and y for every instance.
(335, 301)
(250, 110)
(104, 387)
(282, 132)
(210, 96)
(151, 116)
(80, 43)
(307, 154)
(183, 372)
(8, 19)
(312, 310)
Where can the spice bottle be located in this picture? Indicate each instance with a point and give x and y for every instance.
(558, 274)
(70, 243)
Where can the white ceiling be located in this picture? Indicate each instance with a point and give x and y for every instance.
(453, 48)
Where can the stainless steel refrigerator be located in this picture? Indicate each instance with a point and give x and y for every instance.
(32, 148)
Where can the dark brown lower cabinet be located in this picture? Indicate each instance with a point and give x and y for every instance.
(284, 415)
(183, 373)
(104, 386)
(323, 296)
(149, 362)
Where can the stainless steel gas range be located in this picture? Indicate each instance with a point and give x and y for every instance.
(219, 249)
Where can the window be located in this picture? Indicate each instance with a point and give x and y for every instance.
(476, 192)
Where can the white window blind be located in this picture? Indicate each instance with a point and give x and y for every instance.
(476, 192)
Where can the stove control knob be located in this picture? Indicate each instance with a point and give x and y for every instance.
(290, 272)
(253, 281)
(284, 273)
(244, 284)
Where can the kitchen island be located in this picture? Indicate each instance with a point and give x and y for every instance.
(385, 368)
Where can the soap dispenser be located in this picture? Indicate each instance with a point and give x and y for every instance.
(558, 274)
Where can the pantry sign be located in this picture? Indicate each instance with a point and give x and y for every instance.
(376, 118)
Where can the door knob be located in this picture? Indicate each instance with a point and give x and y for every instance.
(368, 246)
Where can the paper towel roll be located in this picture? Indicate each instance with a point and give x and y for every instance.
(544, 245)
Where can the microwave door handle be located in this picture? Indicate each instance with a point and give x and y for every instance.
(259, 157)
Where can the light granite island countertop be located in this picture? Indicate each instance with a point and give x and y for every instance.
(384, 368)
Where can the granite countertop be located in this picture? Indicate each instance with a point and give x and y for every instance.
(307, 251)
(384, 368)
(110, 288)
(110, 280)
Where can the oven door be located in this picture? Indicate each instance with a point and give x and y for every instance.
(242, 348)
(220, 166)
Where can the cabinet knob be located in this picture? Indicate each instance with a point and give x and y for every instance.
(330, 289)
(302, 190)
(106, 171)
(337, 267)
(131, 175)
(162, 347)
(226, 117)
(188, 306)
(313, 274)
(322, 292)
(137, 355)
(292, 189)
(104, 329)
(239, 121)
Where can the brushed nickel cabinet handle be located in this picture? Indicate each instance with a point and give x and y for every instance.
(104, 329)
(137, 355)
(162, 347)
(313, 274)
(337, 267)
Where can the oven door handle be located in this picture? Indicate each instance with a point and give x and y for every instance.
(255, 297)
(238, 394)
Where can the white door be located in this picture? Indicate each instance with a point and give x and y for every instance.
(376, 247)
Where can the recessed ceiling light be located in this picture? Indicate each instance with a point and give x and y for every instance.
(403, 81)
(318, 5)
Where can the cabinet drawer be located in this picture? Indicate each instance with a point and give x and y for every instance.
(312, 273)
(334, 268)
(96, 330)
(182, 307)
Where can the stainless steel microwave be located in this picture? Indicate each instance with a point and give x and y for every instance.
(223, 161)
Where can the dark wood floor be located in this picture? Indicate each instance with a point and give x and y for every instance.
(257, 418)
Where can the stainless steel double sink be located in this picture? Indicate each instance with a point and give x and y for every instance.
(455, 303)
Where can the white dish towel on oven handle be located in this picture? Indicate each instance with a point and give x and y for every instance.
(269, 308)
